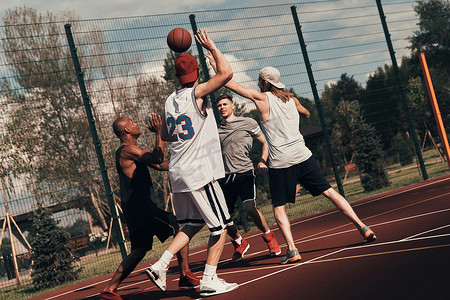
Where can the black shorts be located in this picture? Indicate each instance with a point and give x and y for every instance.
(161, 223)
(238, 184)
(283, 182)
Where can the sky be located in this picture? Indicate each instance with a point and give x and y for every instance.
(127, 8)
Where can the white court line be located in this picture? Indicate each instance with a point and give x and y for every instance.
(371, 201)
(295, 223)
(407, 239)
(351, 230)
(439, 228)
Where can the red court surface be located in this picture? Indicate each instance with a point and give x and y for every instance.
(409, 260)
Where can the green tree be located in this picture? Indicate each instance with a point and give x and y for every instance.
(341, 109)
(420, 106)
(380, 102)
(343, 134)
(369, 158)
(345, 89)
(433, 35)
(433, 39)
(55, 141)
(51, 255)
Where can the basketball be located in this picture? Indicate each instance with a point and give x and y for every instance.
(179, 40)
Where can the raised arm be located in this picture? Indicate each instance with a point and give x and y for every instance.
(301, 109)
(260, 99)
(223, 73)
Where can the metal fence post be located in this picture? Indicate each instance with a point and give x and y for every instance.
(412, 130)
(317, 100)
(212, 97)
(97, 143)
(214, 104)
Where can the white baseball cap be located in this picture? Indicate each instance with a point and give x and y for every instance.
(272, 76)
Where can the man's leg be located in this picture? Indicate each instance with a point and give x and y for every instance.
(157, 271)
(215, 248)
(342, 204)
(256, 216)
(292, 254)
(210, 283)
(125, 268)
(187, 280)
(215, 216)
(183, 261)
(182, 239)
(284, 224)
(260, 221)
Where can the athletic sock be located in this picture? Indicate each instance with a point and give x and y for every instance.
(164, 261)
(267, 231)
(209, 272)
(239, 240)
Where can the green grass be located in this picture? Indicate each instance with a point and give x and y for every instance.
(305, 205)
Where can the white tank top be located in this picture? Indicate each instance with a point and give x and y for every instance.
(196, 157)
(281, 130)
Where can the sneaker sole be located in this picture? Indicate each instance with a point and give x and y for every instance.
(152, 276)
(294, 259)
(188, 288)
(242, 256)
(207, 294)
(272, 254)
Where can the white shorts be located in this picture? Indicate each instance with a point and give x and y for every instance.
(203, 206)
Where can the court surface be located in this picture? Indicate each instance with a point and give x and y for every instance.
(409, 260)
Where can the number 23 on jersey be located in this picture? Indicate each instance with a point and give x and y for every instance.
(187, 131)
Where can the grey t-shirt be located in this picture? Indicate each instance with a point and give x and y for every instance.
(236, 139)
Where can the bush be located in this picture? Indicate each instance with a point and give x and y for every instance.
(51, 255)
(369, 158)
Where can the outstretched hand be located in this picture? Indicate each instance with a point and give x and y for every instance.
(204, 40)
(154, 123)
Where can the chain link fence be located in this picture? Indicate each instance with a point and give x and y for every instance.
(49, 157)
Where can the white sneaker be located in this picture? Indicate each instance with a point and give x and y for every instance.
(216, 286)
(157, 276)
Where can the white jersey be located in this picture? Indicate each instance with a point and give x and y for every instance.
(196, 157)
(281, 130)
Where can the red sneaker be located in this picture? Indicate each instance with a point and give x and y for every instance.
(188, 282)
(239, 250)
(272, 243)
(108, 295)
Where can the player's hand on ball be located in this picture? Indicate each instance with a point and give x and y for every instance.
(154, 121)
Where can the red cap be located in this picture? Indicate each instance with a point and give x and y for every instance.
(186, 68)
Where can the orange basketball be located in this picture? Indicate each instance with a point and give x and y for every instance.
(179, 39)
